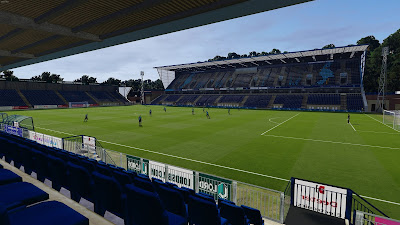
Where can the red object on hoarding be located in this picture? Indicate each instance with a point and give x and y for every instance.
(20, 107)
(379, 220)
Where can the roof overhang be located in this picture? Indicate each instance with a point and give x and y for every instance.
(264, 58)
(32, 33)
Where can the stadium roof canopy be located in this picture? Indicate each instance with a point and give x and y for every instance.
(37, 31)
(290, 57)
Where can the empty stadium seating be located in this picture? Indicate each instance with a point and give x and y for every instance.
(323, 99)
(354, 102)
(133, 197)
(231, 98)
(10, 98)
(289, 101)
(42, 97)
(76, 96)
(257, 101)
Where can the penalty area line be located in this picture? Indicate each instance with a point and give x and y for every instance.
(381, 122)
(333, 142)
(352, 126)
(280, 124)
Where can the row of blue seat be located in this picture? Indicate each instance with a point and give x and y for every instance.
(22, 203)
(123, 193)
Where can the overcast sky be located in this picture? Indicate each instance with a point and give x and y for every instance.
(295, 28)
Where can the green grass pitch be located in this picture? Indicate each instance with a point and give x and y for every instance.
(317, 146)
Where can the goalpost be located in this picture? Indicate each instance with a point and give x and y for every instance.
(78, 104)
(392, 118)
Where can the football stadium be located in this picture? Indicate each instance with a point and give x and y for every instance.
(275, 138)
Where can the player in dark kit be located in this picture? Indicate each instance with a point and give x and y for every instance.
(207, 115)
(86, 118)
(165, 109)
(140, 121)
(150, 112)
(192, 111)
(348, 118)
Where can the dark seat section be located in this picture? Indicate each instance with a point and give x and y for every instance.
(203, 212)
(45, 213)
(76, 96)
(7, 177)
(80, 182)
(234, 214)
(145, 208)
(42, 97)
(21, 193)
(253, 215)
(10, 98)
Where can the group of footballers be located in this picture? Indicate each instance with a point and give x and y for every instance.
(165, 110)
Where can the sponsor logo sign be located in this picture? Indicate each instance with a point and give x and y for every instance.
(135, 164)
(13, 130)
(216, 186)
(320, 198)
(176, 175)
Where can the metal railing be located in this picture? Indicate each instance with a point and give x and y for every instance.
(363, 218)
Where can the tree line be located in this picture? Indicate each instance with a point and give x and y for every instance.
(373, 61)
(86, 80)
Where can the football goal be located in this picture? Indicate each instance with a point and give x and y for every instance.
(78, 104)
(392, 118)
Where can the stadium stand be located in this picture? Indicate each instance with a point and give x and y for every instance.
(10, 98)
(187, 99)
(77, 96)
(257, 101)
(42, 97)
(323, 99)
(307, 80)
(354, 102)
(108, 187)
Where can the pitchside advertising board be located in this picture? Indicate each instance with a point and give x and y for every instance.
(13, 130)
(137, 165)
(89, 143)
(215, 186)
(320, 198)
(45, 139)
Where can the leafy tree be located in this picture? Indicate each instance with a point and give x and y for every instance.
(9, 75)
(233, 55)
(369, 40)
(112, 81)
(85, 79)
(48, 77)
(328, 46)
(275, 51)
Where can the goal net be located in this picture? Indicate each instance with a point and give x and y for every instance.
(392, 118)
(78, 104)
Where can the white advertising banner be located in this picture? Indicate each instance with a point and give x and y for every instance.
(57, 142)
(45, 106)
(320, 198)
(176, 175)
(34, 136)
(48, 140)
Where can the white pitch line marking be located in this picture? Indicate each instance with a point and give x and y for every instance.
(333, 142)
(376, 132)
(280, 124)
(352, 126)
(381, 122)
(225, 167)
(270, 120)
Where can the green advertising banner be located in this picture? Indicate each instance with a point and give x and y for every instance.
(215, 186)
(137, 165)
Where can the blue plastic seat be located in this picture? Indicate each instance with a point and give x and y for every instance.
(7, 177)
(173, 200)
(234, 214)
(80, 182)
(21, 193)
(186, 192)
(123, 177)
(108, 195)
(204, 212)
(45, 213)
(57, 172)
(253, 215)
(145, 208)
(143, 182)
